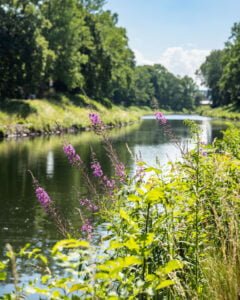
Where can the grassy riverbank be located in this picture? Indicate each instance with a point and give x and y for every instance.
(31, 117)
(229, 112)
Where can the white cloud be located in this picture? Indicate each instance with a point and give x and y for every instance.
(178, 60)
(140, 59)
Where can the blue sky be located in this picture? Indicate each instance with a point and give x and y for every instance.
(177, 33)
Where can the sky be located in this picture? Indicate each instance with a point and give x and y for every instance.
(179, 34)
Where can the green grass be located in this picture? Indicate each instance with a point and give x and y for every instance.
(229, 112)
(25, 117)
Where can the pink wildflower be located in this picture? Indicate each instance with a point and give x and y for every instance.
(110, 183)
(43, 197)
(89, 205)
(160, 117)
(71, 154)
(120, 170)
(97, 169)
(87, 227)
(95, 119)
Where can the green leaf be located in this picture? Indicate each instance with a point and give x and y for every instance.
(124, 215)
(132, 245)
(134, 198)
(33, 252)
(56, 295)
(23, 250)
(102, 276)
(155, 195)
(2, 266)
(115, 245)
(43, 259)
(171, 266)
(149, 238)
(115, 266)
(3, 276)
(69, 244)
(164, 284)
(152, 169)
(45, 278)
(131, 260)
(78, 287)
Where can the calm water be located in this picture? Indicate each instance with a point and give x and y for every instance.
(21, 218)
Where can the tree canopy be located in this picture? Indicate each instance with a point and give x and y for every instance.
(221, 71)
(77, 47)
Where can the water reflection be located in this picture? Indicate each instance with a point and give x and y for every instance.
(50, 164)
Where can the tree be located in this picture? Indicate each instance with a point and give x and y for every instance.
(67, 34)
(211, 72)
(230, 80)
(189, 92)
(142, 86)
(93, 6)
(24, 52)
(108, 71)
(156, 86)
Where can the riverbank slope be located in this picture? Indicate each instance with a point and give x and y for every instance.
(229, 112)
(36, 117)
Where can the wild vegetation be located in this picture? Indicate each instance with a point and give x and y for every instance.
(168, 233)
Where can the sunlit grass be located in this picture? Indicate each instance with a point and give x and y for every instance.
(50, 116)
(226, 112)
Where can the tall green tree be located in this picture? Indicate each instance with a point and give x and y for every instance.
(211, 72)
(67, 34)
(142, 86)
(230, 80)
(189, 92)
(108, 71)
(25, 56)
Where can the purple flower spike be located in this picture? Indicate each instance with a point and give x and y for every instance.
(69, 150)
(87, 227)
(93, 208)
(43, 197)
(202, 152)
(140, 172)
(160, 117)
(89, 205)
(97, 169)
(95, 119)
(110, 183)
(71, 154)
(120, 170)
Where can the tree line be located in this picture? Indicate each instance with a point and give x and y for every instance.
(75, 46)
(221, 71)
